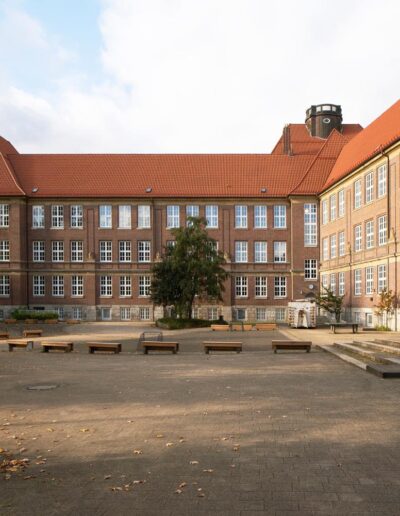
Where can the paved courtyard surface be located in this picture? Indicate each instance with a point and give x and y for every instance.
(228, 434)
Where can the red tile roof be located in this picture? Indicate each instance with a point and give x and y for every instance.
(6, 147)
(377, 136)
(8, 182)
(169, 175)
(303, 143)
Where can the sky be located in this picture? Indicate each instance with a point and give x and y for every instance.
(209, 76)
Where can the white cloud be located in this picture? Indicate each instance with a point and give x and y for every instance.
(210, 76)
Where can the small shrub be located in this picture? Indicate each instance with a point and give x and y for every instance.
(382, 328)
(21, 315)
(170, 323)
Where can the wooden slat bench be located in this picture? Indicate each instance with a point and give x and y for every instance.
(4, 335)
(67, 347)
(266, 326)
(10, 321)
(291, 344)
(220, 327)
(32, 333)
(112, 347)
(156, 345)
(222, 346)
(25, 344)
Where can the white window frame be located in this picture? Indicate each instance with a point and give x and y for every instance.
(280, 287)
(310, 225)
(341, 282)
(260, 252)
(4, 250)
(357, 194)
(357, 238)
(260, 216)
(77, 313)
(382, 181)
(369, 187)
(241, 251)
(357, 282)
(4, 215)
(241, 286)
(333, 206)
(106, 313)
(105, 216)
(280, 216)
(76, 250)
(342, 244)
(39, 286)
(57, 286)
(57, 216)
(192, 210)
(324, 209)
(310, 269)
(325, 248)
(369, 280)
(76, 216)
(125, 251)
(382, 279)
(77, 286)
(125, 313)
(261, 287)
(144, 285)
(37, 216)
(124, 216)
(106, 285)
(211, 212)
(38, 251)
(144, 251)
(332, 282)
(261, 314)
(105, 251)
(125, 286)
(144, 216)
(280, 251)
(382, 230)
(341, 203)
(240, 216)
(144, 313)
(57, 250)
(5, 288)
(173, 216)
(333, 249)
(369, 234)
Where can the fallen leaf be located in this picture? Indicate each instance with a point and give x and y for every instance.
(178, 491)
(107, 477)
(84, 430)
(208, 471)
(183, 484)
(169, 444)
(192, 462)
(159, 436)
(50, 429)
(137, 452)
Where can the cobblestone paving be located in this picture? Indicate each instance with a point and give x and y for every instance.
(226, 434)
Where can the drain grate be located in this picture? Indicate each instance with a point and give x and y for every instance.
(42, 387)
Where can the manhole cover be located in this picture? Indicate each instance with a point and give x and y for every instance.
(41, 387)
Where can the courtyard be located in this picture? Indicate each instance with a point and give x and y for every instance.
(222, 434)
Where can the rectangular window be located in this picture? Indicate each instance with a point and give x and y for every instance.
(77, 216)
(241, 286)
(333, 283)
(172, 216)
(144, 220)
(191, 211)
(310, 224)
(260, 252)
(76, 286)
(241, 314)
(60, 312)
(125, 313)
(125, 286)
(324, 281)
(325, 211)
(58, 286)
(57, 217)
(144, 286)
(382, 230)
(144, 251)
(382, 180)
(280, 314)
(369, 187)
(77, 313)
(125, 252)
(279, 286)
(333, 246)
(105, 250)
(105, 212)
(310, 269)
(240, 217)
(144, 313)
(261, 286)
(341, 284)
(369, 280)
(369, 234)
(38, 251)
(212, 313)
(212, 216)
(4, 285)
(105, 286)
(76, 251)
(38, 286)
(280, 216)
(381, 278)
(332, 201)
(38, 217)
(357, 282)
(260, 217)
(341, 203)
(241, 252)
(357, 238)
(261, 314)
(106, 314)
(357, 194)
(279, 252)
(125, 217)
(4, 215)
(325, 249)
(57, 251)
(4, 250)
(342, 247)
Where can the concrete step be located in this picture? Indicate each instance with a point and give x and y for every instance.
(343, 356)
(357, 350)
(388, 342)
(378, 346)
(384, 371)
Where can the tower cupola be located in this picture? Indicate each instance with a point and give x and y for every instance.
(323, 118)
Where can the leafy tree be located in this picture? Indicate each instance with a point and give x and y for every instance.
(330, 302)
(192, 267)
(385, 304)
